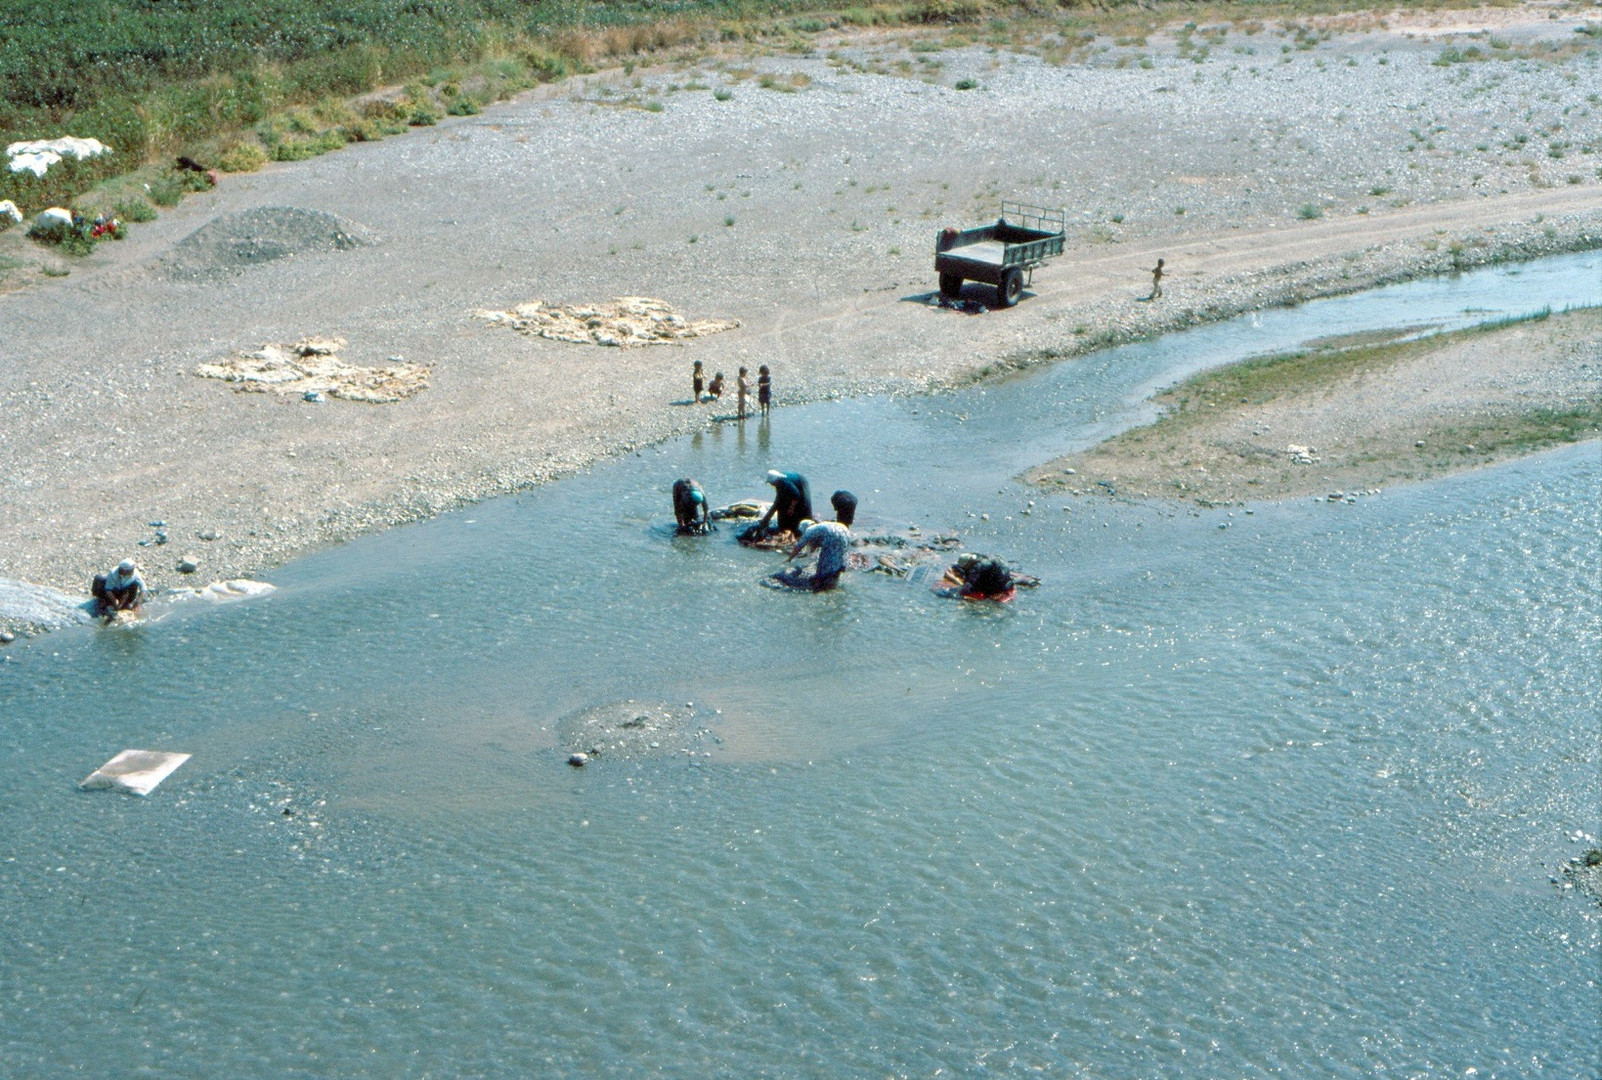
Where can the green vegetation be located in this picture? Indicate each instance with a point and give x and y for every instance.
(1266, 378)
(136, 211)
(236, 83)
(1521, 433)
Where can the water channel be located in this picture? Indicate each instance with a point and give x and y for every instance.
(1279, 798)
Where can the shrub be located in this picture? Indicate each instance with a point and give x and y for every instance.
(362, 131)
(465, 105)
(136, 210)
(546, 65)
(1309, 211)
(302, 149)
(723, 93)
(165, 190)
(241, 156)
(965, 84)
(191, 181)
(785, 84)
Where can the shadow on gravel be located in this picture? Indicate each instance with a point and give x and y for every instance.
(975, 299)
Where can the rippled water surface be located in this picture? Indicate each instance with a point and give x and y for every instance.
(1274, 799)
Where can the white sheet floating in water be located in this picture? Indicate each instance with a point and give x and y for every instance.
(134, 771)
(233, 589)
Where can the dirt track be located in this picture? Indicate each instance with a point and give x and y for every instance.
(834, 194)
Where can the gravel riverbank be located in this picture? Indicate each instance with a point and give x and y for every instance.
(1266, 170)
(1341, 422)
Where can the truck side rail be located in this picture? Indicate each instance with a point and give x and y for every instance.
(1044, 219)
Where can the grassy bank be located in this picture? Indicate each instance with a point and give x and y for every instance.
(235, 83)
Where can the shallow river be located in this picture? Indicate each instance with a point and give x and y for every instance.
(1231, 794)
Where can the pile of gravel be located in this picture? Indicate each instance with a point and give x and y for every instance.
(234, 243)
(632, 729)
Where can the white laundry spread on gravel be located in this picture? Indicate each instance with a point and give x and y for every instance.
(38, 155)
(311, 366)
(627, 320)
(8, 209)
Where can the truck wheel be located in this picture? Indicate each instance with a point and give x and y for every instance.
(1011, 287)
(951, 284)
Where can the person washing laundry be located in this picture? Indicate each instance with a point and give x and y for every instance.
(831, 540)
(690, 508)
(792, 504)
(120, 590)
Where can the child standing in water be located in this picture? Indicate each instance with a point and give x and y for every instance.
(742, 386)
(764, 390)
(698, 380)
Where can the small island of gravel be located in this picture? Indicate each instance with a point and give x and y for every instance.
(1350, 416)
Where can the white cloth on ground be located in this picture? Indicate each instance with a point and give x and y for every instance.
(37, 155)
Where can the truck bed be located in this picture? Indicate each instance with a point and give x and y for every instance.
(982, 251)
(1022, 238)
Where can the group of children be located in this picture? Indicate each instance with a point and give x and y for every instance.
(713, 391)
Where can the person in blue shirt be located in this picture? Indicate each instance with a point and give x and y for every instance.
(690, 509)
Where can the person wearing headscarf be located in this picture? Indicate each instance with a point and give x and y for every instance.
(831, 540)
(690, 509)
(120, 590)
(792, 502)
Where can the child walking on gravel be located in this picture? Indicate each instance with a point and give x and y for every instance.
(764, 390)
(698, 380)
(1156, 281)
